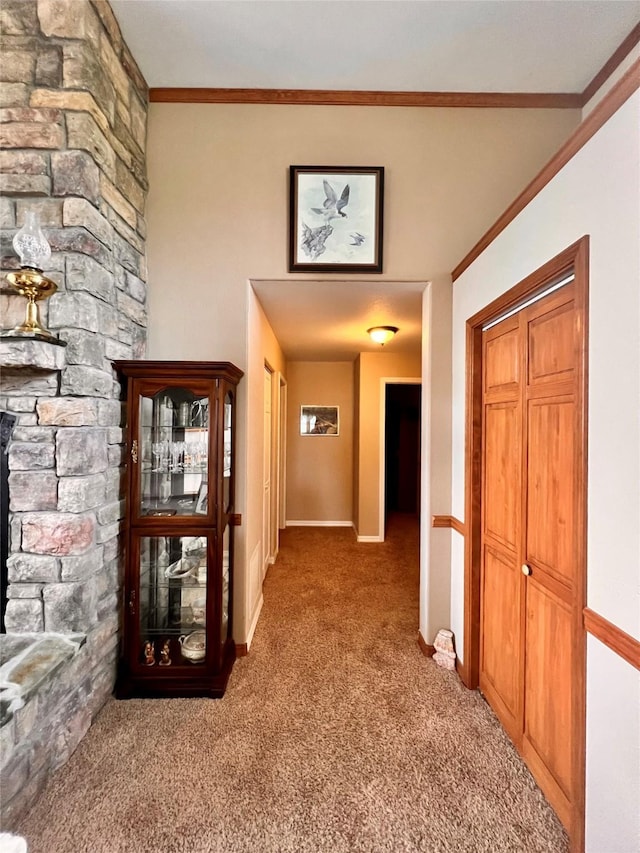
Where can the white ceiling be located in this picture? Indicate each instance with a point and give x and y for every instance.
(328, 320)
(425, 45)
(392, 45)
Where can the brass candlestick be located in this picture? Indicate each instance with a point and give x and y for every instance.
(34, 286)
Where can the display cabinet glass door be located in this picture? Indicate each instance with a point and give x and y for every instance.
(228, 433)
(172, 601)
(227, 542)
(173, 452)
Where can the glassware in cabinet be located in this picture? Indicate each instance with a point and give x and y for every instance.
(173, 444)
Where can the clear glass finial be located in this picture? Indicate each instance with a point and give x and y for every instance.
(31, 244)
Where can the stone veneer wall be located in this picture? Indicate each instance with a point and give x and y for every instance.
(72, 133)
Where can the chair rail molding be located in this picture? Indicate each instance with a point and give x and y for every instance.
(614, 638)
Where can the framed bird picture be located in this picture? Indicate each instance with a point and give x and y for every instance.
(319, 420)
(335, 219)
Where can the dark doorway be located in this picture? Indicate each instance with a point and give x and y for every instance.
(402, 448)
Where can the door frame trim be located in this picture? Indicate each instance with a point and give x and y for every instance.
(271, 545)
(282, 457)
(574, 258)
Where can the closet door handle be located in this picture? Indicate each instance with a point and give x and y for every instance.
(526, 570)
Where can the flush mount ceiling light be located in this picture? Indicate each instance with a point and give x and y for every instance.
(382, 334)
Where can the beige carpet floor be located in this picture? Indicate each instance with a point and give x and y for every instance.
(336, 735)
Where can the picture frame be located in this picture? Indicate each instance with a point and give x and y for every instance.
(336, 219)
(202, 501)
(320, 420)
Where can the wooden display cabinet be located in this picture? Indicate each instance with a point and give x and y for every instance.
(178, 587)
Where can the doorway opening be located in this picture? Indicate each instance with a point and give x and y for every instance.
(402, 449)
(400, 439)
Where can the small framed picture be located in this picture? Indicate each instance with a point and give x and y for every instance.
(335, 218)
(202, 501)
(319, 420)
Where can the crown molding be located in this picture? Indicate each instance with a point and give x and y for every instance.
(611, 102)
(357, 98)
(354, 98)
(611, 64)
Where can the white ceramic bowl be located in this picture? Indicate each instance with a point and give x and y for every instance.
(194, 646)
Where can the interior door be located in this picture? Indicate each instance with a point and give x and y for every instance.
(531, 579)
(501, 638)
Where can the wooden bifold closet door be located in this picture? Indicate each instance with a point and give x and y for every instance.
(532, 521)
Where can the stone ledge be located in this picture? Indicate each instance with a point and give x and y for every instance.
(31, 352)
(28, 662)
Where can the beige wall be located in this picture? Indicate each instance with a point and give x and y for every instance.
(217, 217)
(218, 197)
(372, 368)
(320, 468)
(435, 544)
(262, 347)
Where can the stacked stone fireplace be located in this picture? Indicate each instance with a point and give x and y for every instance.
(72, 133)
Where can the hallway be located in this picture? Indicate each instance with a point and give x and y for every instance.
(335, 734)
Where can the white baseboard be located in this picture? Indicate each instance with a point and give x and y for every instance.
(370, 538)
(254, 622)
(295, 523)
